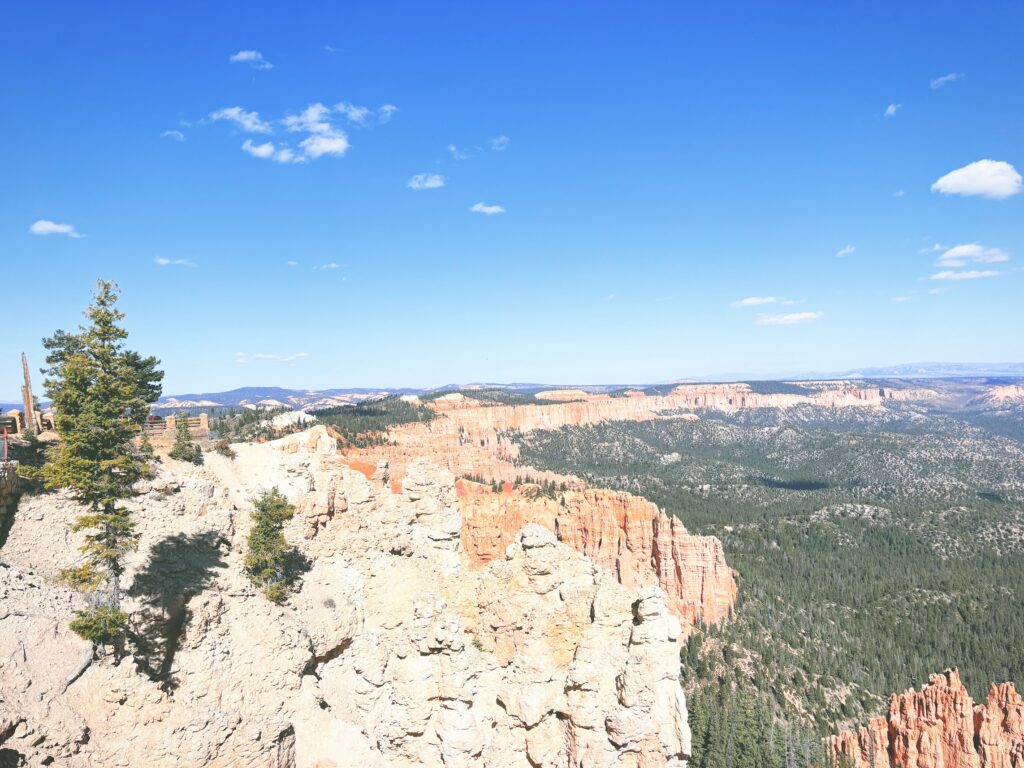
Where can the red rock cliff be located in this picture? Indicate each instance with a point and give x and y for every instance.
(940, 727)
(622, 533)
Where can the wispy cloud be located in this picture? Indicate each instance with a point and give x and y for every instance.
(258, 150)
(500, 143)
(47, 227)
(486, 209)
(426, 181)
(248, 357)
(458, 154)
(353, 113)
(253, 58)
(846, 250)
(969, 274)
(176, 135)
(292, 263)
(790, 318)
(163, 262)
(899, 299)
(899, 193)
(960, 255)
(892, 109)
(330, 265)
(331, 49)
(386, 112)
(994, 179)
(952, 77)
(754, 301)
(248, 121)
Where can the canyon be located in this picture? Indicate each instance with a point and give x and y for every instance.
(399, 649)
(625, 534)
(939, 726)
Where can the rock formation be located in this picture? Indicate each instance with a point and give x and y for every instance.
(624, 534)
(940, 727)
(471, 437)
(397, 650)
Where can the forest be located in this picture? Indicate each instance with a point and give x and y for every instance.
(872, 549)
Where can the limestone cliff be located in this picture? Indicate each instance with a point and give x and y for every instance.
(624, 534)
(397, 650)
(940, 727)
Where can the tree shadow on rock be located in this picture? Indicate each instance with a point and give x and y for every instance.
(179, 568)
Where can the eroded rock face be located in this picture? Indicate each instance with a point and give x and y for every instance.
(396, 651)
(626, 535)
(940, 727)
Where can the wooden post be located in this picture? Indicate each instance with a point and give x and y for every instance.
(26, 395)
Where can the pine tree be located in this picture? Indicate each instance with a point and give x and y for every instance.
(184, 449)
(101, 394)
(268, 556)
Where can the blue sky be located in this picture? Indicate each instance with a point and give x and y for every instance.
(646, 165)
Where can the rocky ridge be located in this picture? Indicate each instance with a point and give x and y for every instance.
(398, 650)
(940, 727)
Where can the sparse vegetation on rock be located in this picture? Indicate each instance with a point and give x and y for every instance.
(185, 449)
(268, 556)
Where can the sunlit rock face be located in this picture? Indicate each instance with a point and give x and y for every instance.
(940, 727)
(398, 649)
(624, 534)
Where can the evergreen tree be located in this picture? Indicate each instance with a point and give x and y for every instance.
(101, 393)
(269, 558)
(184, 449)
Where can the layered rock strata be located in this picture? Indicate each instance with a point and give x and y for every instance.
(397, 650)
(939, 727)
(626, 535)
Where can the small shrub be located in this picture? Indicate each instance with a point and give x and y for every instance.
(103, 624)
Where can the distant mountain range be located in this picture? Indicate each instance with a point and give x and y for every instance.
(309, 399)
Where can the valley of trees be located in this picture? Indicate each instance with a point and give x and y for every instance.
(872, 549)
(366, 424)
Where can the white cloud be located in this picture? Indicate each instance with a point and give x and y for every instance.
(331, 49)
(500, 143)
(899, 193)
(248, 121)
(846, 250)
(487, 209)
(386, 112)
(313, 119)
(426, 181)
(176, 135)
(970, 274)
(353, 113)
(754, 301)
(267, 151)
(253, 58)
(331, 265)
(899, 299)
(993, 179)
(952, 77)
(161, 261)
(47, 227)
(248, 357)
(258, 150)
(791, 318)
(324, 138)
(292, 263)
(458, 154)
(892, 109)
(960, 255)
(318, 145)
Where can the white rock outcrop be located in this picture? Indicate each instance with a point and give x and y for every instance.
(393, 652)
